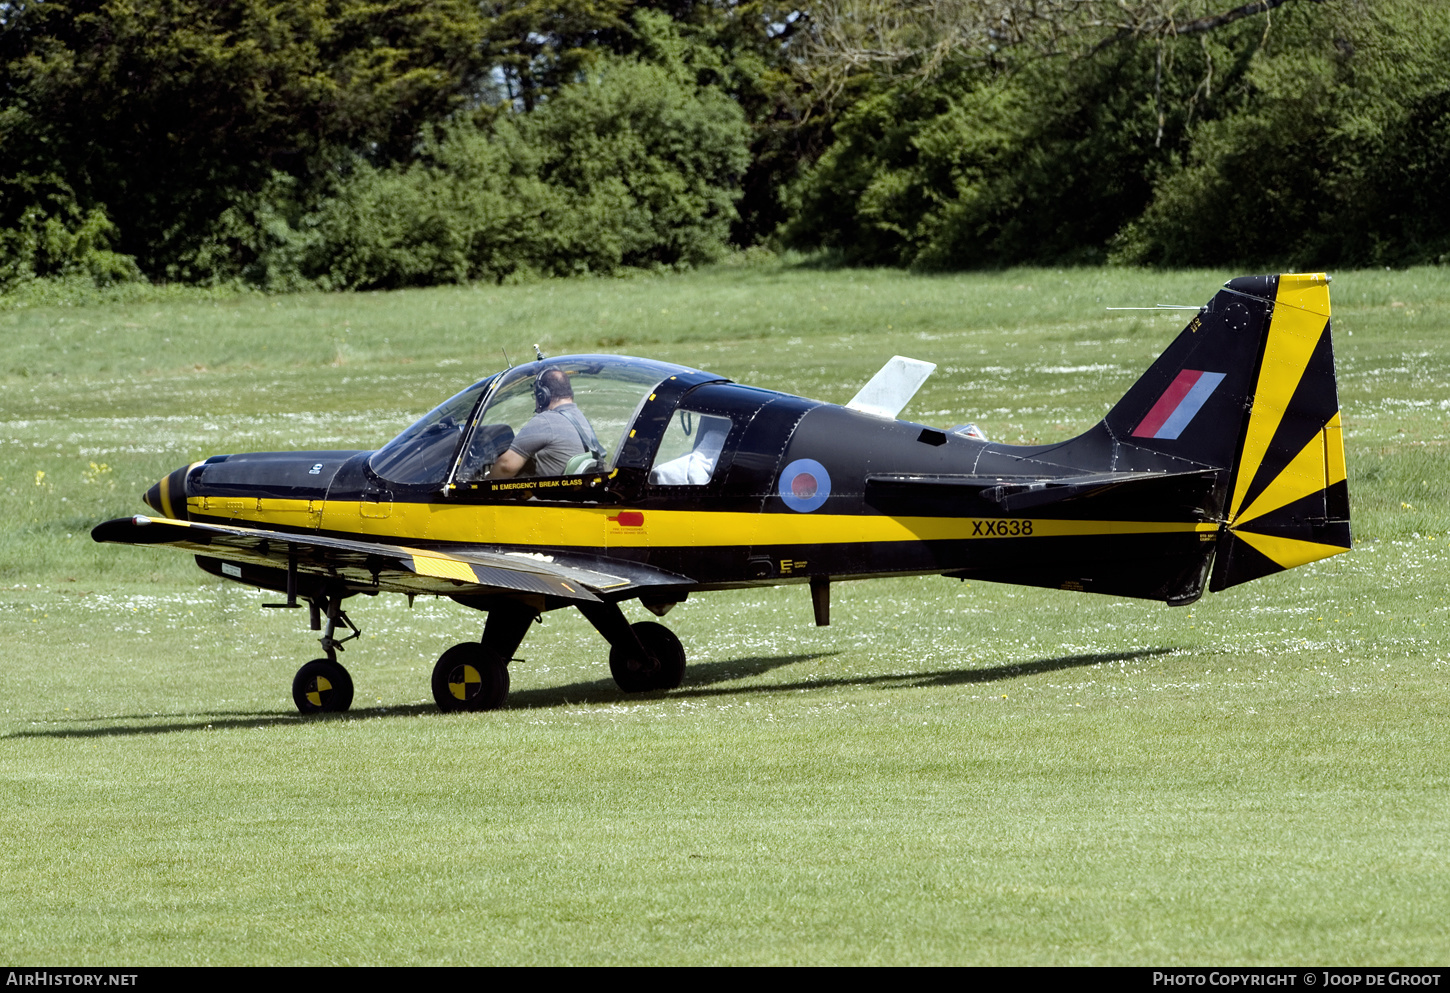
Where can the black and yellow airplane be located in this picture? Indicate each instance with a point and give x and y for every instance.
(1224, 463)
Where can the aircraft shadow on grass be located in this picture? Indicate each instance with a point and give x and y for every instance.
(707, 679)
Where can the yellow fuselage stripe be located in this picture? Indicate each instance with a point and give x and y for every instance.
(591, 527)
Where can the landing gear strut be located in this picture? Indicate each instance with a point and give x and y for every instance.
(475, 675)
(644, 656)
(323, 685)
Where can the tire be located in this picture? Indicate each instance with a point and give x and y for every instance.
(322, 686)
(636, 675)
(467, 677)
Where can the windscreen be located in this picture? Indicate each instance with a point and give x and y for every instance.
(424, 452)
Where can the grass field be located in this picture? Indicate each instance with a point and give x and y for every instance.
(950, 773)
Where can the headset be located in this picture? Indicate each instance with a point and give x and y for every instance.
(543, 396)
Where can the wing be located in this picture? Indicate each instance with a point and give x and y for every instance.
(371, 566)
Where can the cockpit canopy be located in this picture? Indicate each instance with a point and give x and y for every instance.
(460, 439)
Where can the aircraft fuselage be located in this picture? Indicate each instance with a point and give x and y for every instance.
(869, 496)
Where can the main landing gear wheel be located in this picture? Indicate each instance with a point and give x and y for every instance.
(467, 677)
(322, 686)
(634, 675)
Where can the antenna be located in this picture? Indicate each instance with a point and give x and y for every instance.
(538, 353)
(506, 356)
(1162, 306)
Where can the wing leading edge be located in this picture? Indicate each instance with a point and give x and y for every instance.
(368, 566)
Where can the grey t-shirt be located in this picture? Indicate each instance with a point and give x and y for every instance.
(551, 439)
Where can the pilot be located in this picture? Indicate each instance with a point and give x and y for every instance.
(556, 433)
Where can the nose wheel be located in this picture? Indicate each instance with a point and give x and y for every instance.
(322, 686)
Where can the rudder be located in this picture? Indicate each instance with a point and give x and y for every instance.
(1289, 496)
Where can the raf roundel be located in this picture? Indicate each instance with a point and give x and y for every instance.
(804, 485)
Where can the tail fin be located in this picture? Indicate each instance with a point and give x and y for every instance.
(1248, 387)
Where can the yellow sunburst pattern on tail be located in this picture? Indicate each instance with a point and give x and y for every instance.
(1289, 501)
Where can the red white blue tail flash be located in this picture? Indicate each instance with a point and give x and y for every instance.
(1183, 399)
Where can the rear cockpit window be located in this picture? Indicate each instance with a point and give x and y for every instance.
(690, 449)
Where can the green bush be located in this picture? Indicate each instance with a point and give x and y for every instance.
(260, 239)
(653, 159)
(46, 234)
(1338, 153)
(1319, 137)
(467, 208)
(631, 168)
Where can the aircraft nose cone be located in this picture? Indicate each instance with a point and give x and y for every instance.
(168, 497)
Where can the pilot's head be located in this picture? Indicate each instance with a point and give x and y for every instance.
(552, 384)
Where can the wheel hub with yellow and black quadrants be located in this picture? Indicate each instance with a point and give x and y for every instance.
(469, 677)
(322, 686)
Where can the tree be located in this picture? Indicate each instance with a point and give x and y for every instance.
(743, 48)
(162, 112)
(537, 46)
(1313, 139)
(920, 37)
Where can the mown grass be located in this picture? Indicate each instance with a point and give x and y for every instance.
(949, 773)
